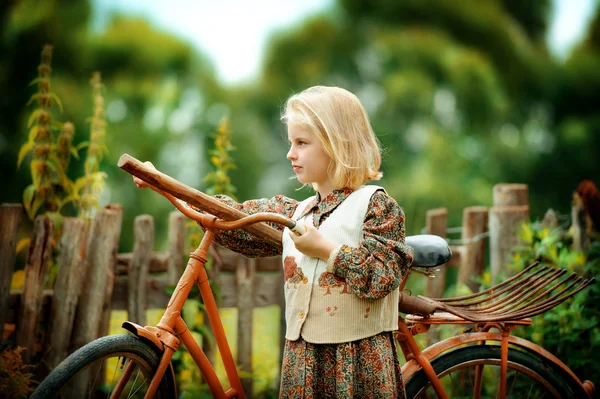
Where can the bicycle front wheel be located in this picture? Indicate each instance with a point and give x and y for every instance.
(527, 376)
(96, 369)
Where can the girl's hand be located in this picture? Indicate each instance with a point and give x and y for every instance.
(313, 243)
(139, 182)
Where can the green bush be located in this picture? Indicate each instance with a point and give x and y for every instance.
(571, 330)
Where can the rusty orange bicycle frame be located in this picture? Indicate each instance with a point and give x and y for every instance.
(171, 330)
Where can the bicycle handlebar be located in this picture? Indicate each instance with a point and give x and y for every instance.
(181, 195)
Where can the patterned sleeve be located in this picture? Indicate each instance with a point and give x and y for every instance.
(245, 243)
(376, 267)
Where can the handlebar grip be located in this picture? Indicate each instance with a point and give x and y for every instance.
(299, 228)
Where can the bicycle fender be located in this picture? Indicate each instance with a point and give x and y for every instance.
(144, 334)
(449, 344)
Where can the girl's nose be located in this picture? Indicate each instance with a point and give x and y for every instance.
(291, 155)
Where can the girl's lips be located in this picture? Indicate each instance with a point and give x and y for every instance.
(296, 168)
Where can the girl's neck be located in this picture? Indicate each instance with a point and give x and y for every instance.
(324, 191)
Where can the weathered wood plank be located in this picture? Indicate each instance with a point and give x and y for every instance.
(176, 256)
(510, 194)
(437, 224)
(245, 304)
(158, 262)
(504, 225)
(111, 263)
(137, 295)
(474, 224)
(10, 220)
(100, 262)
(40, 251)
(68, 286)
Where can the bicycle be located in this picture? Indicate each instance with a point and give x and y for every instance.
(147, 351)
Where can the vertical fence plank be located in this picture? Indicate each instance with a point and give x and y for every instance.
(68, 286)
(110, 267)
(138, 269)
(437, 224)
(245, 304)
(507, 194)
(579, 227)
(36, 267)
(176, 246)
(472, 263)
(10, 220)
(510, 211)
(100, 261)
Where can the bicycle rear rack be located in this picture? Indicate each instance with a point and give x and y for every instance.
(534, 290)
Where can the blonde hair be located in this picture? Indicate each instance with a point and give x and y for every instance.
(340, 122)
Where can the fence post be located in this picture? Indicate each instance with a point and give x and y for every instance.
(472, 263)
(32, 297)
(137, 298)
(510, 210)
(176, 251)
(68, 286)
(245, 303)
(437, 224)
(111, 267)
(10, 220)
(100, 261)
(579, 226)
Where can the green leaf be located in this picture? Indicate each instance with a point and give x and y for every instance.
(83, 145)
(34, 81)
(70, 198)
(32, 98)
(23, 244)
(37, 203)
(55, 166)
(28, 194)
(25, 148)
(34, 116)
(57, 218)
(57, 124)
(74, 152)
(58, 102)
(33, 133)
(35, 175)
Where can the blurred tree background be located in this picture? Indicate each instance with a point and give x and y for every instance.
(462, 94)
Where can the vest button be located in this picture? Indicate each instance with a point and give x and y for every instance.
(301, 315)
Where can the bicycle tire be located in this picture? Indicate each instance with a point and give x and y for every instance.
(74, 368)
(524, 366)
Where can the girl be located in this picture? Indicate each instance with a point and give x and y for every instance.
(342, 275)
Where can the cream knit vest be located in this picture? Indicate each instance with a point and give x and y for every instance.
(319, 305)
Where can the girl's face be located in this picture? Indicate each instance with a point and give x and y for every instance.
(309, 159)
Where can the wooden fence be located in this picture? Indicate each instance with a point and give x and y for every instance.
(93, 279)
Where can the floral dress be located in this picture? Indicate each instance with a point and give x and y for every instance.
(366, 368)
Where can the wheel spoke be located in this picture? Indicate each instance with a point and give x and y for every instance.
(527, 376)
(88, 366)
(133, 386)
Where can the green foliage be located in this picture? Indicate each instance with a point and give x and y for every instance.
(89, 187)
(52, 188)
(571, 330)
(218, 180)
(47, 171)
(16, 379)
